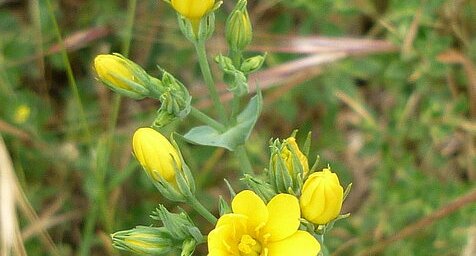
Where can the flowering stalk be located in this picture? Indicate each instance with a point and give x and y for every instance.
(207, 76)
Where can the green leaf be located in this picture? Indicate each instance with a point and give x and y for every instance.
(233, 136)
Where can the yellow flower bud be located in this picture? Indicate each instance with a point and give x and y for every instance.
(122, 75)
(193, 10)
(156, 154)
(321, 197)
(286, 154)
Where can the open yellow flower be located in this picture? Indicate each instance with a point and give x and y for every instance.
(257, 229)
(156, 154)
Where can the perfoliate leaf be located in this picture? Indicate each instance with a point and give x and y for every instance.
(233, 136)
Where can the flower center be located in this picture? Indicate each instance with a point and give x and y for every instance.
(249, 246)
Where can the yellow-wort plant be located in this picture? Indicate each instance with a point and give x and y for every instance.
(286, 210)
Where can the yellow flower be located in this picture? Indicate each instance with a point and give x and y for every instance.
(122, 75)
(321, 198)
(256, 229)
(22, 113)
(156, 154)
(192, 9)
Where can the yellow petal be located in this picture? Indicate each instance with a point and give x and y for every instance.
(227, 234)
(334, 196)
(313, 202)
(250, 204)
(300, 243)
(283, 219)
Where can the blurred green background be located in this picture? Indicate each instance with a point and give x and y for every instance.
(397, 118)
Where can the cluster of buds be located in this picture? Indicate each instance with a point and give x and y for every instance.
(320, 192)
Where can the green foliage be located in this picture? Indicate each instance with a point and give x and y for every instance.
(409, 155)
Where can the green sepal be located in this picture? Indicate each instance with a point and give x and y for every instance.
(233, 136)
(223, 206)
(260, 187)
(180, 225)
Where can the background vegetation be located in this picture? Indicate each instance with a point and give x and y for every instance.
(393, 113)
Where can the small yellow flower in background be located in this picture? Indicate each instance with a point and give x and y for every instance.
(156, 154)
(255, 229)
(22, 113)
(122, 75)
(321, 198)
(193, 10)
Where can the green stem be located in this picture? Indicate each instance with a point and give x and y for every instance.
(192, 200)
(207, 76)
(242, 156)
(69, 72)
(235, 103)
(235, 108)
(206, 119)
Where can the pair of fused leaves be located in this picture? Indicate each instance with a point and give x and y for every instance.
(233, 136)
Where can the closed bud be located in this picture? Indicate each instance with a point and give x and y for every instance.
(238, 27)
(123, 75)
(252, 64)
(290, 151)
(146, 241)
(156, 155)
(321, 198)
(288, 166)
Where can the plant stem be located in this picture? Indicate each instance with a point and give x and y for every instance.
(69, 72)
(242, 156)
(192, 200)
(235, 103)
(207, 76)
(207, 120)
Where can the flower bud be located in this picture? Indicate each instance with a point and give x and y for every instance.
(146, 241)
(293, 149)
(288, 166)
(156, 154)
(192, 9)
(252, 64)
(238, 27)
(122, 75)
(321, 198)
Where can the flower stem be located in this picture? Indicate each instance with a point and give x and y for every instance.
(242, 156)
(207, 120)
(207, 76)
(192, 200)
